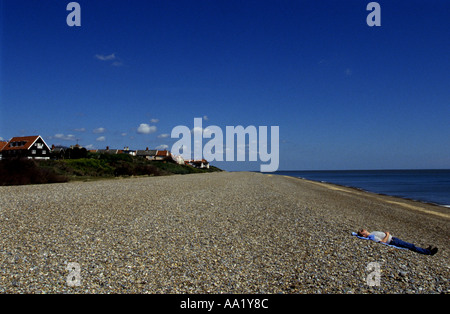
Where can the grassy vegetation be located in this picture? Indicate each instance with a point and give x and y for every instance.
(96, 166)
(22, 171)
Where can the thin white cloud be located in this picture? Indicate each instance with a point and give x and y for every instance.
(99, 130)
(113, 58)
(63, 137)
(162, 147)
(165, 135)
(203, 132)
(80, 130)
(106, 57)
(154, 120)
(100, 139)
(146, 129)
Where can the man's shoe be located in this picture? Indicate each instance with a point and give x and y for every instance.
(434, 251)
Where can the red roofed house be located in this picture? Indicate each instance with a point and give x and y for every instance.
(2, 145)
(31, 147)
(203, 163)
(162, 155)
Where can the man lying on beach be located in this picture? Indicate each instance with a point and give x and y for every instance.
(386, 237)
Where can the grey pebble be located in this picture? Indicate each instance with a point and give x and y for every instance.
(211, 233)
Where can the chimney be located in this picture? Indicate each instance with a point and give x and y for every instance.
(146, 149)
(107, 147)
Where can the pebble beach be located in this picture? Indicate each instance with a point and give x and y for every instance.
(227, 232)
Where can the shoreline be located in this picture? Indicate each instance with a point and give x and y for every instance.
(364, 190)
(223, 232)
(370, 192)
(396, 199)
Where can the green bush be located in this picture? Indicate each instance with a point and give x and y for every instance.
(114, 158)
(175, 168)
(24, 171)
(14, 172)
(89, 167)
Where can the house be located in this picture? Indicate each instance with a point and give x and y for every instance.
(149, 154)
(126, 150)
(203, 163)
(2, 145)
(162, 155)
(177, 159)
(31, 147)
(107, 151)
(58, 152)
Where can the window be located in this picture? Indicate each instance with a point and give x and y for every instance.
(39, 145)
(33, 152)
(44, 152)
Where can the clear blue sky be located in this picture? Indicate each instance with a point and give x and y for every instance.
(345, 95)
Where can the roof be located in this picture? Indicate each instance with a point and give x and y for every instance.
(150, 152)
(162, 153)
(197, 161)
(2, 145)
(27, 142)
(107, 151)
(59, 149)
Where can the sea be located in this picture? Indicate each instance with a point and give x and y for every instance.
(429, 186)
